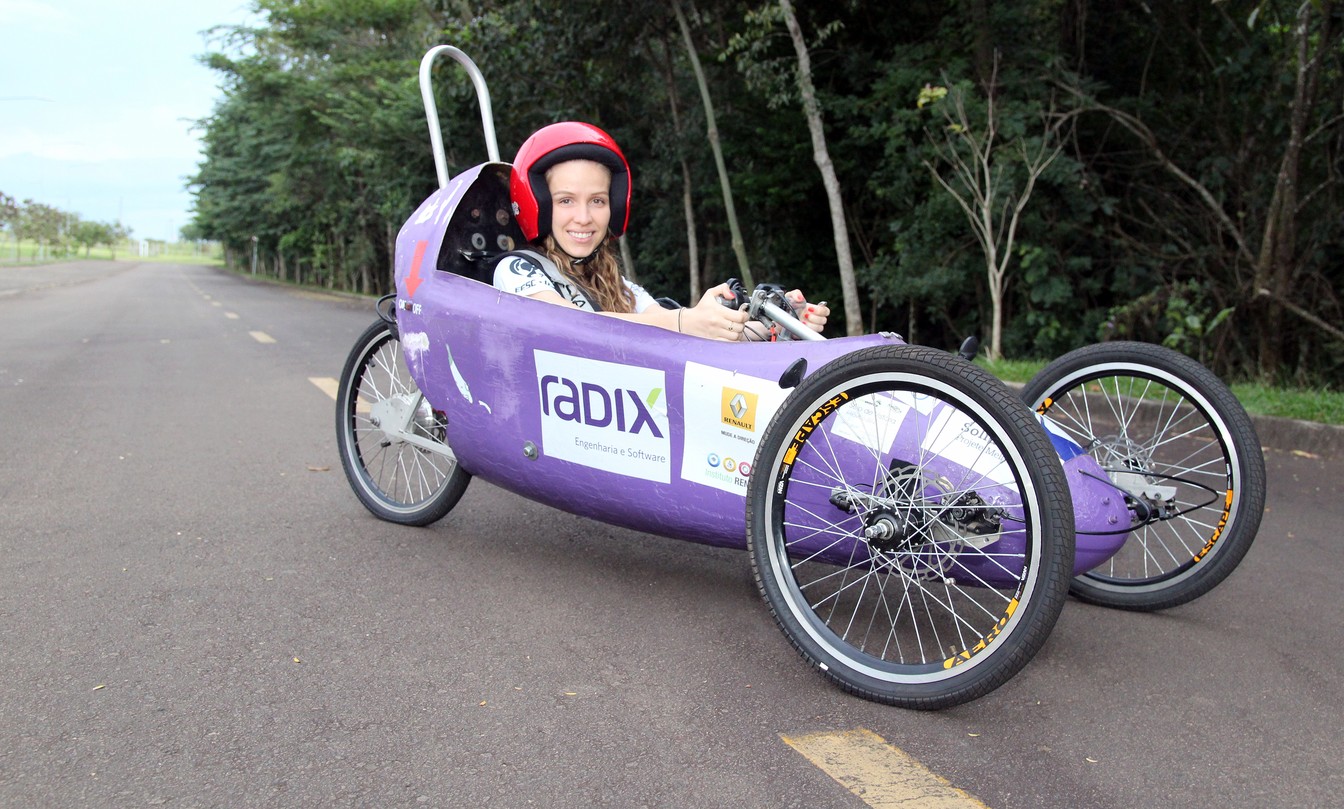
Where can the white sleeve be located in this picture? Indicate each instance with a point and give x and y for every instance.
(521, 277)
(643, 300)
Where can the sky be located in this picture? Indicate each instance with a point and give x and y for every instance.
(98, 104)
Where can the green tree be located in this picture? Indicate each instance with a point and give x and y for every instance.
(89, 234)
(712, 135)
(752, 56)
(49, 227)
(992, 178)
(1234, 185)
(9, 215)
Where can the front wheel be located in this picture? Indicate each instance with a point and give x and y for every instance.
(1172, 436)
(910, 527)
(392, 442)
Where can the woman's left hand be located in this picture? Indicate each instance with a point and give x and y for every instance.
(813, 315)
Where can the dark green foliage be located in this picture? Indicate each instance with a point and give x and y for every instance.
(319, 149)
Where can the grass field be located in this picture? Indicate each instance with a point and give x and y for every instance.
(132, 250)
(1324, 406)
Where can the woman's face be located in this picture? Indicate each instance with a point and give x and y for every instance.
(580, 205)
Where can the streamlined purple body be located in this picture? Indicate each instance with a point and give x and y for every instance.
(625, 423)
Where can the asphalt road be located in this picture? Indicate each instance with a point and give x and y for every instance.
(196, 611)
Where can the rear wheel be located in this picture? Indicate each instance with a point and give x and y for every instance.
(392, 443)
(1176, 440)
(910, 527)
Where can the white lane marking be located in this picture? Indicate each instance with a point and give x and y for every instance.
(231, 315)
(879, 774)
(262, 337)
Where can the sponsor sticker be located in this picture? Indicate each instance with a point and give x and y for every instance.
(960, 440)
(726, 413)
(739, 408)
(874, 419)
(604, 415)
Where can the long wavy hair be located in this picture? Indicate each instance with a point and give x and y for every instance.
(599, 276)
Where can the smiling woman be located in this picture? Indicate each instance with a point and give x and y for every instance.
(570, 185)
(571, 191)
(580, 205)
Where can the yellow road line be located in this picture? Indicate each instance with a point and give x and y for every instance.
(331, 387)
(325, 384)
(262, 337)
(880, 775)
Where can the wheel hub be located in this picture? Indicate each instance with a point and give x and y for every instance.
(397, 414)
(886, 532)
(910, 510)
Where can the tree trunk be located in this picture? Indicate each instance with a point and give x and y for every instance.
(1277, 262)
(390, 229)
(739, 249)
(687, 198)
(692, 244)
(627, 260)
(845, 260)
(983, 48)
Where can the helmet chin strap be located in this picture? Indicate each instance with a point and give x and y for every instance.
(579, 262)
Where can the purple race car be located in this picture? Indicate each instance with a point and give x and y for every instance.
(914, 525)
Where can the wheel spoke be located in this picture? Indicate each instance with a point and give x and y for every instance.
(1175, 439)
(397, 480)
(908, 529)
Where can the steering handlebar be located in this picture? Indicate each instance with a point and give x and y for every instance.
(768, 305)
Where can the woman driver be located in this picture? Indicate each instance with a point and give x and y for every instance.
(571, 193)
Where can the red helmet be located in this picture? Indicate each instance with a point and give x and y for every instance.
(567, 140)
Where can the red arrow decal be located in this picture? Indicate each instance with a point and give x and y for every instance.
(413, 280)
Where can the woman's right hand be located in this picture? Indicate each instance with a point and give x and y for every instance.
(711, 318)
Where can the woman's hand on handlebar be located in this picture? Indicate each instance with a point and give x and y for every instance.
(813, 315)
(712, 318)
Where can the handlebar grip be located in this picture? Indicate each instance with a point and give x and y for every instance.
(739, 291)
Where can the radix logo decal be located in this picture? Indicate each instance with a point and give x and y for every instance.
(604, 415)
(596, 406)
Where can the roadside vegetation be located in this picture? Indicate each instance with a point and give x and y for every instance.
(1044, 174)
(1305, 404)
(46, 232)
